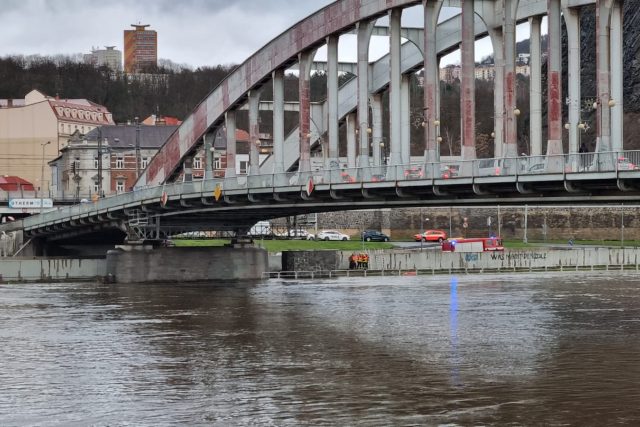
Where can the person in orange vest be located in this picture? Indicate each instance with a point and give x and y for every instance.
(365, 261)
(352, 261)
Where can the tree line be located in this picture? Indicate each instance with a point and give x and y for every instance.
(162, 90)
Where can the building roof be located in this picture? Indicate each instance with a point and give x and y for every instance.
(154, 120)
(69, 110)
(124, 136)
(15, 183)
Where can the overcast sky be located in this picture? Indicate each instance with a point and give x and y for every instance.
(193, 32)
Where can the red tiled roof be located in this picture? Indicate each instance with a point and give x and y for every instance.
(242, 135)
(89, 112)
(15, 183)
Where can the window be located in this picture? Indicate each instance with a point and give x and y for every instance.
(119, 186)
(244, 164)
(95, 162)
(119, 162)
(197, 163)
(76, 165)
(217, 164)
(96, 189)
(144, 162)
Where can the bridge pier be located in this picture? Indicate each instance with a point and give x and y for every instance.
(142, 263)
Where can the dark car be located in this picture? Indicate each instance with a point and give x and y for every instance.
(374, 236)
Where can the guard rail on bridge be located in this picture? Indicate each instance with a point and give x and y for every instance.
(235, 203)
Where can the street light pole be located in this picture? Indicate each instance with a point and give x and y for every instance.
(99, 162)
(137, 148)
(44, 144)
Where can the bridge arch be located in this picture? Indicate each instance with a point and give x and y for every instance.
(337, 18)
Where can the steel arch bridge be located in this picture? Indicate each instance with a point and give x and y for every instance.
(161, 205)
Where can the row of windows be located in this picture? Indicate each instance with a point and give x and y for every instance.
(71, 129)
(144, 161)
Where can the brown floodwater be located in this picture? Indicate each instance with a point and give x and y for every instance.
(522, 349)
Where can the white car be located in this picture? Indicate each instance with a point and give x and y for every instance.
(331, 235)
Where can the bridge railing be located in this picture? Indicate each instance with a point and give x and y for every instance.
(574, 163)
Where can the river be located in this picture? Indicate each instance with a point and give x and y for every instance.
(524, 349)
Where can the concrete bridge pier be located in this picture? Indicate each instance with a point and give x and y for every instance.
(572, 21)
(468, 86)
(535, 89)
(431, 83)
(554, 86)
(143, 263)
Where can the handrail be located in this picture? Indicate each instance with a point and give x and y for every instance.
(496, 168)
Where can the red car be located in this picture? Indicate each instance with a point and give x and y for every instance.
(431, 236)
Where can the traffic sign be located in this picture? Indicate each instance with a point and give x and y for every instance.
(164, 198)
(217, 192)
(310, 186)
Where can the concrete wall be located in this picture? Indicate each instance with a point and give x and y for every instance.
(436, 260)
(186, 264)
(50, 269)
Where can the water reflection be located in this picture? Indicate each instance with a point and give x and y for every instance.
(522, 349)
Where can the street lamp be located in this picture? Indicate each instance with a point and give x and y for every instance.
(383, 153)
(137, 148)
(44, 144)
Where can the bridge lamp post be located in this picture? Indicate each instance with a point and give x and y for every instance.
(137, 148)
(44, 144)
(436, 124)
(383, 153)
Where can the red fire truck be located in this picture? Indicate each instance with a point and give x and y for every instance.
(480, 244)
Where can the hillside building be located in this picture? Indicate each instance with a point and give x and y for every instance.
(109, 57)
(34, 129)
(140, 49)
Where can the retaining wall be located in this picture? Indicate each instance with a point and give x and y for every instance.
(537, 259)
(50, 269)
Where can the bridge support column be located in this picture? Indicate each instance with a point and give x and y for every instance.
(278, 127)
(510, 101)
(230, 122)
(535, 87)
(617, 69)
(351, 141)
(332, 165)
(187, 176)
(304, 65)
(364, 35)
(395, 89)
(208, 138)
(572, 21)
(139, 264)
(603, 15)
(497, 41)
(376, 129)
(406, 120)
(431, 83)
(254, 133)
(554, 88)
(468, 89)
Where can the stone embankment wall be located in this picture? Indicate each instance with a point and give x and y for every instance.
(542, 223)
(438, 261)
(50, 269)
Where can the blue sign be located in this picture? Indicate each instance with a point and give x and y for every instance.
(30, 203)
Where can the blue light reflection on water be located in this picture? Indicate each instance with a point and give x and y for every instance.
(453, 327)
